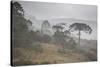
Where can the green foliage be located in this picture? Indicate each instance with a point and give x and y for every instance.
(62, 38)
(38, 37)
(20, 32)
(17, 9)
(59, 37)
(37, 47)
(46, 38)
(71, 44)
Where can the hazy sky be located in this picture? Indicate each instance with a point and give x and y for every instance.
(43, 10)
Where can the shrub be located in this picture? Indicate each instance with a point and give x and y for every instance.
(37, 47)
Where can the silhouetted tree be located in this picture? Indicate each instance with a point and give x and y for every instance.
(57, 28)
(17, 9)
(45, 28)
(80, 27)
(20, 32)
(59, 34)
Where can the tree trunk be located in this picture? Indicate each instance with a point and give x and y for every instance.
(79, 36)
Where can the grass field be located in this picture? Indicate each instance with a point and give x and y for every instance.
(49, 54)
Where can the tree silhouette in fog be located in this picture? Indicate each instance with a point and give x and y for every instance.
(45, 27)
(20, 32)
(17, 9)
(80, 27)
(59, 34)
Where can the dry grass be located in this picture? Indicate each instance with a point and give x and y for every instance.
(49, 55)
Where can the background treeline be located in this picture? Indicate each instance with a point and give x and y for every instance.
(22, 36)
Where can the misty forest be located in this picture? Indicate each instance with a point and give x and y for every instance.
(52, 43)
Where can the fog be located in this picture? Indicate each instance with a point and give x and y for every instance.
(56, 13)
